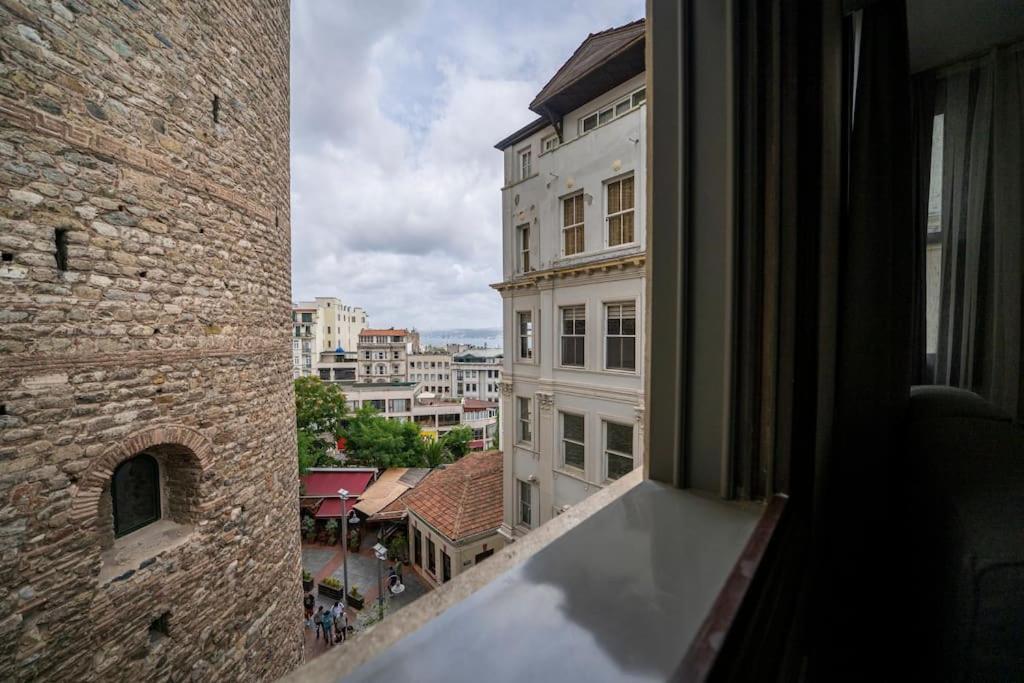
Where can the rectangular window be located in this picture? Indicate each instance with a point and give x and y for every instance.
(574, 331)
(572, 224)
(417, 547)
(573, 442)
(307, 317)
(525, 335)
(588, 124)
(620, 208)
(431, 557)
(604, 116)
(549, 143)
(446, 567)
(525, 504)
(523, 238)
(639, 96)
(525, 421)
(620, 336)
(525, 157)
(618, 449)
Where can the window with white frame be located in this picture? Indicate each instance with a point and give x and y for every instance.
(525, 503)
(525, 335)
(572, 224)
(525, 159)
(573, 441)
(525, 433)
(613, 111)
(618, 449)
(549, 143)
(574, 334)
(620, 206)
(620, 336)
(523, 240)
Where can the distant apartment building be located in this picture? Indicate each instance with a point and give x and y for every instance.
(337, 366)
(384, 355)
(433, 369)
(477, 374)
(482, 418)
(407, 402)
(325, 324)
(574, 249)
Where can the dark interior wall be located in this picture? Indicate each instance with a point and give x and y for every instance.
(944, 31)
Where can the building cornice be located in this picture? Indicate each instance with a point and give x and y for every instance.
(541, 277)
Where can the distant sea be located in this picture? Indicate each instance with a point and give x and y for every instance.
(489, 337)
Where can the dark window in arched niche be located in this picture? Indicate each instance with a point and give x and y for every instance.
(135, 490)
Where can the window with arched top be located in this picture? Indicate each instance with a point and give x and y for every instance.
(135, 494)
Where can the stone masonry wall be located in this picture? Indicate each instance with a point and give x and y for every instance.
(152, 137)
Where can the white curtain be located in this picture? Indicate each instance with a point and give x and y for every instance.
(979, 342)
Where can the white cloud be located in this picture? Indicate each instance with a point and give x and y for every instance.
(396, 107)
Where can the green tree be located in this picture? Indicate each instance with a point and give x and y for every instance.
(312, 451)
(496, 440)
(375, 441)
(456, 442)
(319, 408)
(435, 453)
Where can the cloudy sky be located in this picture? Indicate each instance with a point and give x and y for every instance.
(396, 106)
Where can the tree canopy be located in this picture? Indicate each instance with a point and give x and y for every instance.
(320, 410)
(375, 441)
(456, 442)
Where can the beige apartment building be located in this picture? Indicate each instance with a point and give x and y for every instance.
(434, 370)
(574, 243)
(324, 324)
(384, 355)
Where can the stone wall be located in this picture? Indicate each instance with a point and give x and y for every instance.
(152, 137)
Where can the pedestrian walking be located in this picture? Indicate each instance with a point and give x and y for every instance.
(318, 620)
(327, 622)
(309, 602)
(340, 623)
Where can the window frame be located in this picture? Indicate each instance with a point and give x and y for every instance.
(581, 240)
(524, 421)
(529, 337)
(635, 336)
(545, 148)
(606, 421)
(157, 504)
(621, 213)
(612, 106)
(527, 486)
(431, 557)
(561, 336)
(523, 248)
(562, 439)
(524, 162)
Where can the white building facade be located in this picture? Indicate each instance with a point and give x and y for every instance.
(477, 374)
(383, 355)
(325, 324)
(433, 370)
(573, 293)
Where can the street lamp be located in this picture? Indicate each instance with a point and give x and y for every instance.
(382, 554)
(343, 495)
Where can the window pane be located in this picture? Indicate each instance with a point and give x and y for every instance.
(614, 324)
(629, 353)
(572, 426)
(620, 437)
(639, 96)
(629, 326)
(627, 228)
(605, 116)
(618, 465)
(622, 107)
(567, 212)
(574, 456)
(613, 198)
(567, 351)
(615, 352)
(627, 193)
(615, 231)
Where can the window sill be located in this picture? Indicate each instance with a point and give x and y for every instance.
(129, 552)
(574, 473)
(542, 603)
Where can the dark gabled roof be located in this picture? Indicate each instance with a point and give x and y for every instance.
(601, 62)
(523, 133)
(594, 52)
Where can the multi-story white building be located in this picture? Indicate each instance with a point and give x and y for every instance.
(434, 370)
(573, 291)
(407, 401)
(337, 366)
(478, 374)
(325, 324)
(384, 355)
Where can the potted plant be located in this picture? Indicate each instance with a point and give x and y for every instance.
(331, 588)
(397, 548)
(309, 529)
(332, 531)
(307, 581)
(355, 598)
(353, 541)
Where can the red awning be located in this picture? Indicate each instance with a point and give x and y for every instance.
(330, 508)
(326, 484)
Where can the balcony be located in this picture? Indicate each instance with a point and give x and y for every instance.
(635, 583)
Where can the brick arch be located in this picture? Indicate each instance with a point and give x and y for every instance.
(85, 507)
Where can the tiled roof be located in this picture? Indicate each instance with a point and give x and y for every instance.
(593, 52)
(460, 500)
(475, 404)
(378, 333)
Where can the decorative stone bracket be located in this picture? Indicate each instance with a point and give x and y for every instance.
(546, 401)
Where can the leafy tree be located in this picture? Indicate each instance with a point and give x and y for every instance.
(496, 440)
(375, 441)
(312, 451)
(435, 452)
(319, 408)
(456, 442)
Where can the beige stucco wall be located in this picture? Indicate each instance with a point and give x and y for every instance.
(462, 557)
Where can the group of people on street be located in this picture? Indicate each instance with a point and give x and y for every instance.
(332, 622)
